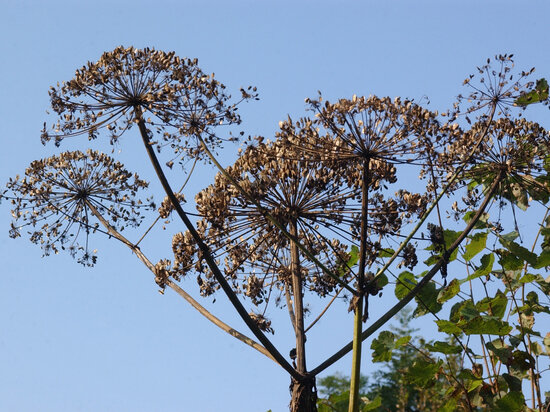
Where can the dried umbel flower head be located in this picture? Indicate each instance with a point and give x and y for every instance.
(362, 140)
(58, 197)
(365, 128)
(494, 88)
(125, 85)
(306, 198)
(516, 151)
(167, 207)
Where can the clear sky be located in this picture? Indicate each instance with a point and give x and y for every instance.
(104, 339)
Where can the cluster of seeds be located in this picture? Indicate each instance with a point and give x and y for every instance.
(127, 85)
(59, 196)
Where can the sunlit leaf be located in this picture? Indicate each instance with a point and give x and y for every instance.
(383, 346)
(427, 300)
(450, 291)
(484, 326)
(386, 253)
(495, 306)
(447, 326)
(423, 372)
(543, 260)
(502, 352)
(519, 251)
(485, 267)
(444, 347)
(372, 405)
(476, 245)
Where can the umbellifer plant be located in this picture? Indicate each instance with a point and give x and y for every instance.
(322, 212)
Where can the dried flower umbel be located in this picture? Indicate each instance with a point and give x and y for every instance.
(125, 85)
(363, 139)
(58, 196)
(517, 150)
(493, 89)
(306, 198)
(369, 128)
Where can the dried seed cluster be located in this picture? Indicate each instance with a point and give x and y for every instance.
(299, 194)
(58, 196)
(516, 148)
(127, 84)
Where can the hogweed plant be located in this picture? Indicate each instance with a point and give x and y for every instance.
(324, 212)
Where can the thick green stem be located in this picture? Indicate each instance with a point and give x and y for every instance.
(359, 317)
(207, 256)
(414, 291)
(356, 359)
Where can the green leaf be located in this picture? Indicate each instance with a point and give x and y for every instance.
(476, 245)
(510, 261)
(385, 253)
(447, 326)
(538, 94)
(513, 382)
(383, 346)
(494, 306)
(484, 326)
(381, 281)
(449, 406)
(463, 311)
(543, 260)
(427, 300)
(449, 292)
(519, 251)
(528, 278)
(372, 405)
(482, 221)
(511, 402)
(450, 236)
(485, 267)
(405, 282)
(503, 353)
(509, 237)
(402, 341)
(444, 347)
(423, 372)
(432, 260)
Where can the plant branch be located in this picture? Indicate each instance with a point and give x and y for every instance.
(431, 273)
(207, 256)
(201, 309)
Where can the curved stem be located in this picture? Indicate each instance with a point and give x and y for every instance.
(201, 309)
(207, 256)
(431, 273)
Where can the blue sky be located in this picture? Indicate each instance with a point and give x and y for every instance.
(104, 339)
